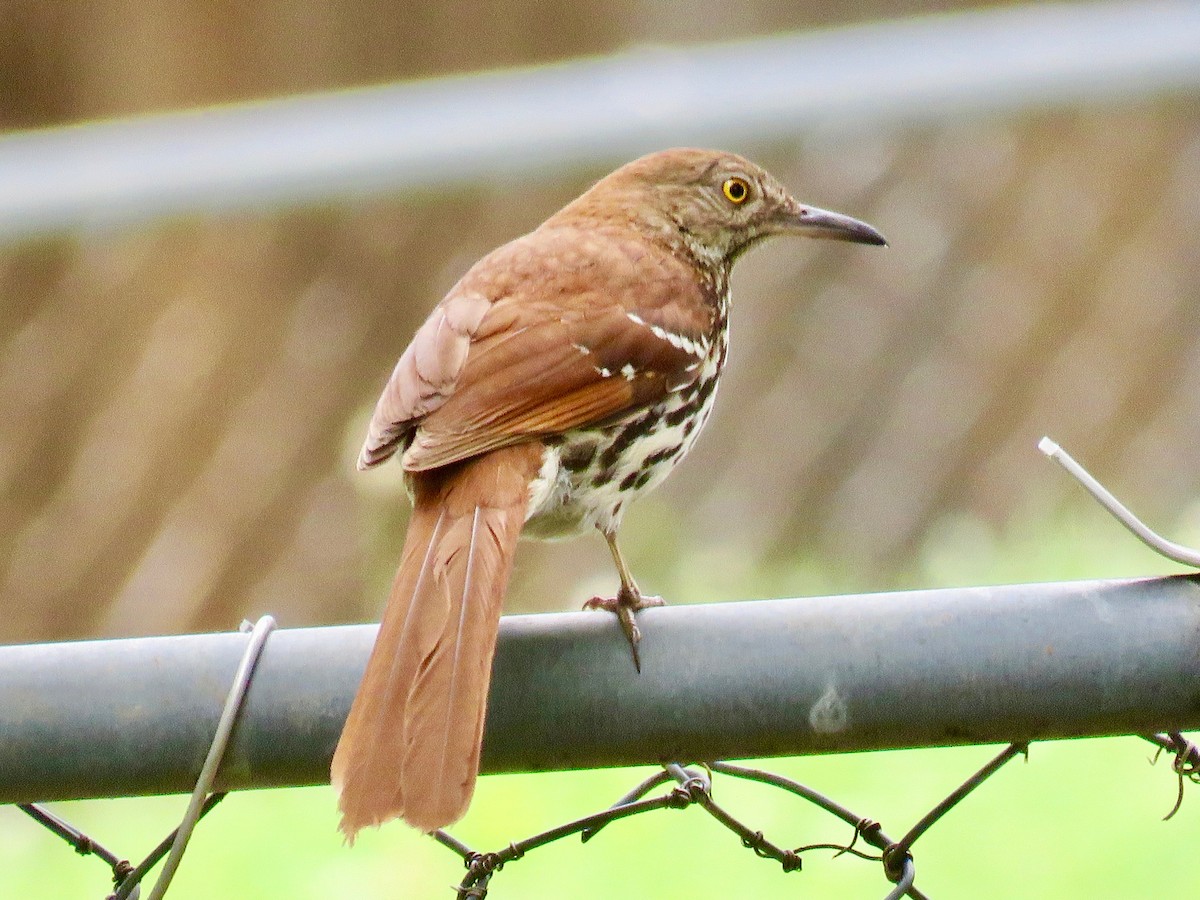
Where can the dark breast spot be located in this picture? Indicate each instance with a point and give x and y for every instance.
(577, 457)
(603, 477)
(677, 418)
(625, 438)
(661, 455)
(706, 389)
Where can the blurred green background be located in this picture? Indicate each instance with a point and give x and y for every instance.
(181, 402)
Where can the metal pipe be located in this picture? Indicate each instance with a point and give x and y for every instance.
(421, 136)
(730, 680)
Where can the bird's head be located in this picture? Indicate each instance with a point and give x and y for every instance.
(719, 204)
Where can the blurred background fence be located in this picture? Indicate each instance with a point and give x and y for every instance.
(197, 310)
(180, 394)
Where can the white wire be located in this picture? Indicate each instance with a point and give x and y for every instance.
(1172, 551)
(216, 751)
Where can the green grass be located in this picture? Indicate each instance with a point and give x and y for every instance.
(1079, 819)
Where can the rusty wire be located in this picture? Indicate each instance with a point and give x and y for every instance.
(126, 877)
(1185, 761)
(694, 786)
(690, 786)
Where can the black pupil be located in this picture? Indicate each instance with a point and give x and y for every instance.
(737, 190)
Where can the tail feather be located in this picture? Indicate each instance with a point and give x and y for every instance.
(411, 744)
(447, 705)
(365, 765)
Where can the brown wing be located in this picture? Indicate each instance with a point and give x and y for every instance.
(425, 375)
(578, 329)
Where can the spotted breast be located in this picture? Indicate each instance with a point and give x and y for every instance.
(589, 476)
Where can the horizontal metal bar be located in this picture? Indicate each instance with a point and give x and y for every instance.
(530, 122)
(730, 680)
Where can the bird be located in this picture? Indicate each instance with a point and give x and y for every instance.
(564, 375)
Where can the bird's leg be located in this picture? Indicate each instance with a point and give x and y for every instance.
(628, 602)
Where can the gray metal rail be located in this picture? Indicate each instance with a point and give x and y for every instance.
(913, 669)
(529, 122)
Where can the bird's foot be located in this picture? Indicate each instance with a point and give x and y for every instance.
(625, 606)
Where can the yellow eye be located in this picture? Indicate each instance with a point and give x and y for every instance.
(736, 190)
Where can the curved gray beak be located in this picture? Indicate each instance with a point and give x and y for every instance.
(809, 221)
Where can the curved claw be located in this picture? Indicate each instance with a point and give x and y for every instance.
(625, 606)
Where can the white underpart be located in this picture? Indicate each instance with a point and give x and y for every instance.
(550, 481)
(711, 255)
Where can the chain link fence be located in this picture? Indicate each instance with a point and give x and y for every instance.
(691, 786)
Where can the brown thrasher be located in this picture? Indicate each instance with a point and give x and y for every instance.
(567, 372)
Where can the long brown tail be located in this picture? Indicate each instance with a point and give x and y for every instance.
(411, 744)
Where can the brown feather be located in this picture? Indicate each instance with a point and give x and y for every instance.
(411, 744)
(543, 377)
(425, 375)
(498, 360)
